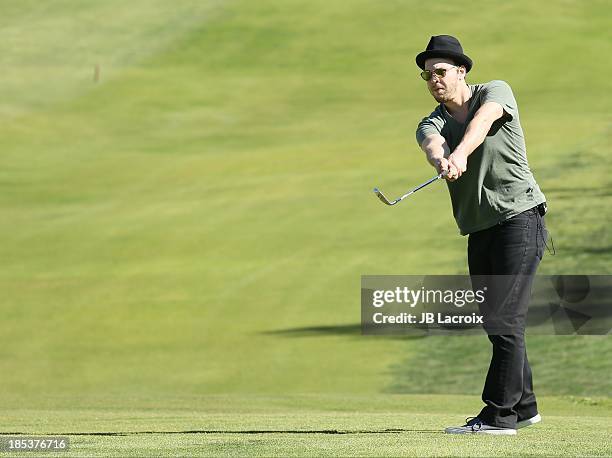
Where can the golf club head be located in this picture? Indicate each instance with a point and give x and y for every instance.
(386, 201)
(382, 197)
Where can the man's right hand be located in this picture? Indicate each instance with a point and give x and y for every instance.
(446, 169)
(437, 151)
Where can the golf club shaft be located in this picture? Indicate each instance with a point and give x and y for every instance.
(437, 177)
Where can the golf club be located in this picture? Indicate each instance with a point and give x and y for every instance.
(386, 201)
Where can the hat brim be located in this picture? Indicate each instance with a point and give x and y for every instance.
(459, 59)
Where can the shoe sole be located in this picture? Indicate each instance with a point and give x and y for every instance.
(529, 422)
(499, 432)
(495, 432)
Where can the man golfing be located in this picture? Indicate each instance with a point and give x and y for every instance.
(475, 140)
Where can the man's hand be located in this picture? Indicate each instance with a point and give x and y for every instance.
(441, 165)
(436, 149)
(457, 164)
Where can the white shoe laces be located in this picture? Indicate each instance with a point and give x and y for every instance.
(476, 425)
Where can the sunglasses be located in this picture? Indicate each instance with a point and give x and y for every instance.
(440, 72)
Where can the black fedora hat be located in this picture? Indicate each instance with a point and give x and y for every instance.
(444, 46)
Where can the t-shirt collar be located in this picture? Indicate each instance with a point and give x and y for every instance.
(471, 101)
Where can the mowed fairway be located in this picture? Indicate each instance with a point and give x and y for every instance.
(186, 204)
(316, 425)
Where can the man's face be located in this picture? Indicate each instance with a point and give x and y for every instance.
(444, 89)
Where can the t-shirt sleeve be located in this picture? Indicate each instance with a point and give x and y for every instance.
(430, 125)
(500, 92)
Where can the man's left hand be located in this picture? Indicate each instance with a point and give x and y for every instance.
(457, 164)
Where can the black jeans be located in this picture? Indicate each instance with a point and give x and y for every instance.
(513, 248)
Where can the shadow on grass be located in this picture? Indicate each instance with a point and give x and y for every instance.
(220, 431)
(590, 249)
(350, 330)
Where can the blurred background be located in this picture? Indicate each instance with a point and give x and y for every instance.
(186, 191)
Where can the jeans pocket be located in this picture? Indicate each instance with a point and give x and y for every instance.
(520, 221)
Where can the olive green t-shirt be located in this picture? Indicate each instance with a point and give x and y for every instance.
(498, 183)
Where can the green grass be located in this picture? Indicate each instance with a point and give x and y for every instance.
(460, 365)
(313, 425)
(196, 222)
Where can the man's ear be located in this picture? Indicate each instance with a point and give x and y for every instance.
(462, 71)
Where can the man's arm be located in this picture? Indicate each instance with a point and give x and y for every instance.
(436, 149)
(475, 134)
